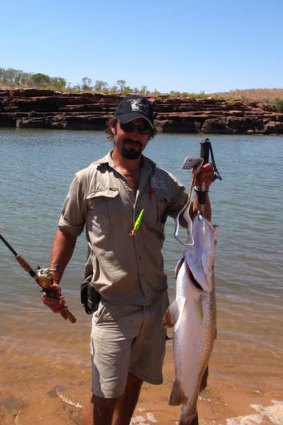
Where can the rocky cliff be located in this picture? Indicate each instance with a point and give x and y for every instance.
(29, 108)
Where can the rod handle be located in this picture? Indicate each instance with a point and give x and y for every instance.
(204, 150)
(70, 316)
(204, 154)
(25, 265)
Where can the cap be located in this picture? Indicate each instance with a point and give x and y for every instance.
(132, 107)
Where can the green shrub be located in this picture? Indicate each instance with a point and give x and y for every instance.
(279, 104)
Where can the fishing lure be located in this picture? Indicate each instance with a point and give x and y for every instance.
(138, 223)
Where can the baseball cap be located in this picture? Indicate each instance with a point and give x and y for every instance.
(133, 107)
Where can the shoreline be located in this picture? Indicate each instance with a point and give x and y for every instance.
(45, 373)
(42, 391)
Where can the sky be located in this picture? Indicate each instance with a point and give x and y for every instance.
(190, 46)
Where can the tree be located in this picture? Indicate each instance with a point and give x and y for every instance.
(12, 77)
(144, 90)
(86, 83)
(58, 83)
(121, 84)
(40, 80)
(100, 86)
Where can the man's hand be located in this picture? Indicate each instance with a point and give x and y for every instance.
(55, 300)
(204, 176)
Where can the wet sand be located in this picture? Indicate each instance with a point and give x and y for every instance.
(45, 377)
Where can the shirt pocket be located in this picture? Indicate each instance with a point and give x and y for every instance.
(156, 212)
(99, 208)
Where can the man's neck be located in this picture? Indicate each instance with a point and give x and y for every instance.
(129, 168)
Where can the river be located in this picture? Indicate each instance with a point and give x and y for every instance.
(36, 169)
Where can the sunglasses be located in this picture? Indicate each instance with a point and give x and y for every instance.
(141, 129)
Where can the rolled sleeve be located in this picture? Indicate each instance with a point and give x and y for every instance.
(74, 209)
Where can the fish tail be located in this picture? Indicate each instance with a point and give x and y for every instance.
(177, 395)
(189, 420)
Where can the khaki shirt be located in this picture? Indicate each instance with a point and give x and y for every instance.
(125, 269)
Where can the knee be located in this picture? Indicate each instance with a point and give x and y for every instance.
(100, 403)
(99, 411)
(133, 381)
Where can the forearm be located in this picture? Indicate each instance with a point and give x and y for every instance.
(196, 207)
(61, 252)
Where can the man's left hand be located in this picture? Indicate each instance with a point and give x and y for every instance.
(205, 176)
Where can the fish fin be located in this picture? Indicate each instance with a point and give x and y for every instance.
(171, 315)
(168, 319)
(199, 310)
(177, 395)
(178, 266)
(203, 383)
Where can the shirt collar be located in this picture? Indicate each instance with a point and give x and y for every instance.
(147, 164)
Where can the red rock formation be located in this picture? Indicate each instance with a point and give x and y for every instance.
(30, 108)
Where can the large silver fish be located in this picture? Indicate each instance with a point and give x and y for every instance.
(193, 315)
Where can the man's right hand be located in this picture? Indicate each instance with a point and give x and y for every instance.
(55, 300)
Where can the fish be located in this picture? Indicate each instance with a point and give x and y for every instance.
(193, 315)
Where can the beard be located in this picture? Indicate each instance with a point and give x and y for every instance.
(129, 152)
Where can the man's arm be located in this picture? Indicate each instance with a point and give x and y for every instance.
(206, 177)
(61, 253)
(196, 207)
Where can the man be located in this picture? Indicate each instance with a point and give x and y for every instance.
(123, 200)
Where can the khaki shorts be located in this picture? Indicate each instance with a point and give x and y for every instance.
(127, 338)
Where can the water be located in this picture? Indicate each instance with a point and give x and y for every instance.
(36, 169)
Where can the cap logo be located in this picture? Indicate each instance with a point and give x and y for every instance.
(138, 105)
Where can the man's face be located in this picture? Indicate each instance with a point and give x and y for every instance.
(130, 139)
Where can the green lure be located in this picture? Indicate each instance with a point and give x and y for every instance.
(138, 222)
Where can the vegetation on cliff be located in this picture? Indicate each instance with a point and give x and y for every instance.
(12, 78)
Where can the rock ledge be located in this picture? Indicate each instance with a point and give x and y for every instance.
(30, 108)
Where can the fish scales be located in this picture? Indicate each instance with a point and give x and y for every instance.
(193, 313)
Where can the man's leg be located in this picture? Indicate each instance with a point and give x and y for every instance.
(126, 404)
(100, 411)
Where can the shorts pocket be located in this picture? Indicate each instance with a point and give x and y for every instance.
(98, 314)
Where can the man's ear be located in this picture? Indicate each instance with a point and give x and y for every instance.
(113, 129)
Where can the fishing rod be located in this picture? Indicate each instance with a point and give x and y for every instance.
(205, 150)
(196, 163)
(42, 276)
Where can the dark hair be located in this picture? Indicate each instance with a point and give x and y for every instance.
(109, 125)
(112, 123)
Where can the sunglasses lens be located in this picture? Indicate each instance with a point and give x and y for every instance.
(141, 129)
(128, 127)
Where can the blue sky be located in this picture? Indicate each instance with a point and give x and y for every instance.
(181, 45)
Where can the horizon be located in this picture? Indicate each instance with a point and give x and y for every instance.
(115, 90)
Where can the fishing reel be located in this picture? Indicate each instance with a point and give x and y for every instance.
(44, 277)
